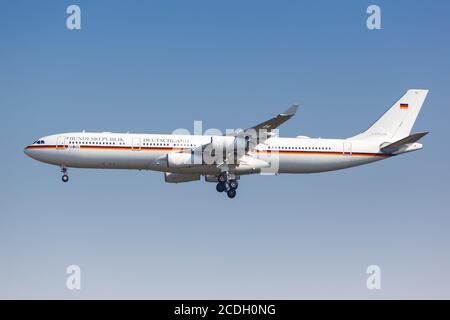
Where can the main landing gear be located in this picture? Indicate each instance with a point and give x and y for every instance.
(227, 184)
(65, 177)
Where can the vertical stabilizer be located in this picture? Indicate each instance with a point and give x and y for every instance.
(397, 122)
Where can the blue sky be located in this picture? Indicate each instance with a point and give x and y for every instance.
(156, 66)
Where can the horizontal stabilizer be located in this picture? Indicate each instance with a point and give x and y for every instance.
(402, 144)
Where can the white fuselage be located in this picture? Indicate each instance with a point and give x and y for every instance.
(222, 159)
(147, 151)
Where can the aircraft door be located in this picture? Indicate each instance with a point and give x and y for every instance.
(347, 149)
(61, 143)
(136, 144)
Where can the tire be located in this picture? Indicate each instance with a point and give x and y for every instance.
(222, 178)
(65, 178)
(221, 187)
(233, 184)
(231, 193)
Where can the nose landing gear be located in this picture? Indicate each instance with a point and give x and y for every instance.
(65, 177)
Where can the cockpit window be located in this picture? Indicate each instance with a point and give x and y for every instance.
(39, 142)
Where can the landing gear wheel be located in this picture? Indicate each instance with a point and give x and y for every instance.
(221, 187)
(65, 178)
(231, 193)
(233, 184)
(222, 177)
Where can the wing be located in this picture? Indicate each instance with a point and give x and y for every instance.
(263, 131)
(276, 121)
(253, 136)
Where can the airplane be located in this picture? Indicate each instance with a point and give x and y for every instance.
(223, 159)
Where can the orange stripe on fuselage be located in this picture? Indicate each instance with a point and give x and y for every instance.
(105, 148)
(45, 147)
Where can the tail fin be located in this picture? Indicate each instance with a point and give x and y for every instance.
(398, 121)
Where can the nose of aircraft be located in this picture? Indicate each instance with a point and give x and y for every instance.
(26, 150)
(34, 151)
(29, 152)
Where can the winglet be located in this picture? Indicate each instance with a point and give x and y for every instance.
(291, 111)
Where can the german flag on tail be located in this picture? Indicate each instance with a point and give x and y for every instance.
(404, 106)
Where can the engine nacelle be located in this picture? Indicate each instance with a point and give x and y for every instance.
(183, 160)
(170, 177)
